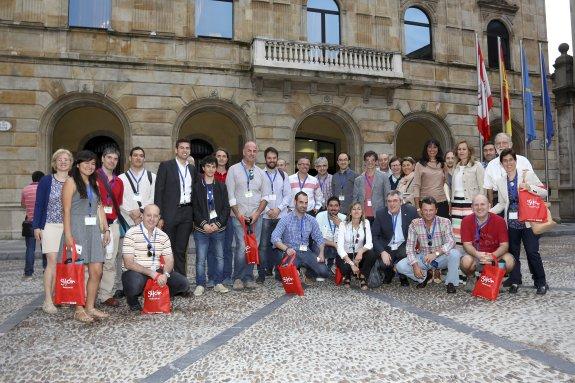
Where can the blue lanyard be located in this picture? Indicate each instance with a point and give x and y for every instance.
(394, 218)
(152, 247)
(210, 194)
(368, 182)
(430, 235)
(301, 185)
(248, 176)
(341, 177)
(301, 227)
(512, 188)
(90, 193)
(137, 181)
(321, 184)
(478, 228)
(274, 179)
(183, 177)
(332, 228)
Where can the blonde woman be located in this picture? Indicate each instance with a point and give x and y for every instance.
(48, 219)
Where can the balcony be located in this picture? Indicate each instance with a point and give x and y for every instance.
(324, 62)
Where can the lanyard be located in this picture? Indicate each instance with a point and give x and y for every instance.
(152, 247)
(394, 218)
(369, 182)
(341, 175)
(478, 228)
(104, 177)
(210, 194)
(301, 228)
(322, 184)
(248, 175)
(430, 235)
(332, 228)
(512, 188)
(137, 181)
(272, 180)
(183, 177)
(301, 185)
(90, 193)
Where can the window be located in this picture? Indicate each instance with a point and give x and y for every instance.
(214, 18)
(496, 29)
(323, 22)
(417, 34)
(90, 13)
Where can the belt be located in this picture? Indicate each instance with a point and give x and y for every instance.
(185, 204)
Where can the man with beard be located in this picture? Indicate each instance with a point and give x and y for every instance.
(328, 222)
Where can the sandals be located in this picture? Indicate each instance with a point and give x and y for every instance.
(82, 316)
(97, 314)
(363, 283)
(346, 282)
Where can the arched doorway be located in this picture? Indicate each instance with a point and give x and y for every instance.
(416, 129)
(100, 143)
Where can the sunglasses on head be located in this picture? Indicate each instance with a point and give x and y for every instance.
(429, 242)
(251, 174)
(150, 250)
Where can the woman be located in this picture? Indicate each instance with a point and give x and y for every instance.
(430, 176)
(466, 183)
(396, 174)
(508, 191)
(48, 221)
(405, 185)
(450, 161)
(84, 217)
(354, 247)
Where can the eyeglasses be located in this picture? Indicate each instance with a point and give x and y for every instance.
(150, 250)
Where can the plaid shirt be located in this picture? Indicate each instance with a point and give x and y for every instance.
(289, 231)
(441, 241)
(325, 186)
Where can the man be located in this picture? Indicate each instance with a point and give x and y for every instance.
(28, 202)
(371, 186)
(484, 236)
(292, 236)
(324, 179)
(489, 152)
(279, 200)
(436, 248)
(223, 158)
(495, 170)
(342, 183)
(142, 248)
(301, 181)
(283, 165)
(112, 191)
(173, 195)
(328, 222)
(248, 192)
(383, 162)
(139, 185)
(390, 231)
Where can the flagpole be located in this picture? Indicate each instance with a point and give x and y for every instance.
(545, 127)
(523, 100)
(501, 84)
(478, 77)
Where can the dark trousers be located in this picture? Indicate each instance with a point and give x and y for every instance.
(30, 249)
(179, 230)
(134, 283)
(265, 246)
(531, 246)
(396, 256)
(443, 209)
(365, 266)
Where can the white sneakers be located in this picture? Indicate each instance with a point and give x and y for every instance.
(199, 291)
(219, 288)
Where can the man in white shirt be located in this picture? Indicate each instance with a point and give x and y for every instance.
(328, 222)
(383, 163)
(495, 170)
(303, 182)
(324, 179)
(139, 186)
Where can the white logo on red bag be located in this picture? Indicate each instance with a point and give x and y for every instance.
(487, 280)
(67, 282)
(287, 279)
(247, 249)
(533, 203)
(154, 293)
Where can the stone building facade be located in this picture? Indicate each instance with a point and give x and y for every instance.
(310, 77)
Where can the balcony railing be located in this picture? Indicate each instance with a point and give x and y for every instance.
(326, 58)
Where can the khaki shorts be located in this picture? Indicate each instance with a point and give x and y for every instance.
(51, 237)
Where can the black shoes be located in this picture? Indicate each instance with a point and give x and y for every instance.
(260, 279)
(451, 288)
(508, 283)
(269, 273)
(427, 279)
(513, 288)
(403, 281)
(542, 290)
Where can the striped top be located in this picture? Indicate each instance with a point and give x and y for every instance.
(309, 186)
(28, 200)
(135, 244)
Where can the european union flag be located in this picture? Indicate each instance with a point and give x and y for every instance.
(527, 100)
(546, 102)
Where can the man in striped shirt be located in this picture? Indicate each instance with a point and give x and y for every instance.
(147, 254)
(28, 200)
(301, 181)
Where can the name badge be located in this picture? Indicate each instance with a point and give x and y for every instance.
(90, 221)
(341, 198)
(302, 247)
(393, 246)
(108, 209)
(513, 215)
(79, 249)
(368, 202)
(213, 214)
(249, 194)
(137, 198)
(272, 197)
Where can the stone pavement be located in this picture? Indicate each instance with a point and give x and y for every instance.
(332, 334)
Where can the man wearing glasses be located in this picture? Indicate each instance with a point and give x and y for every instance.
(436, 249)
(148, 254)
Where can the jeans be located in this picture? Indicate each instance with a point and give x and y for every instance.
(446, 261)
(134, 283)
(531, 246)
(242, 270)
(228, 254)
(265, 246)
(307, 259)
(30, 249)
(210, 247)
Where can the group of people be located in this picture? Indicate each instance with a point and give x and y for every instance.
(418, 217)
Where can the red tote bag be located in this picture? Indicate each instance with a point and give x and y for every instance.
(489, 282)
(531, 207)
(156, 297)
(338, 276)
(252, 252)
(70, 288)
(290, 276)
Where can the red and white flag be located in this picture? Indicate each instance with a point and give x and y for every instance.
(484, 99)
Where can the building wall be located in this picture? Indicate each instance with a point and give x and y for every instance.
(150, 85)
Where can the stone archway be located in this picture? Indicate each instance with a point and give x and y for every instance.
(415, 129)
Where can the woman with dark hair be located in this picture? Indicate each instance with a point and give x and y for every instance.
(83, 219)
(430, 176)
(405, 185)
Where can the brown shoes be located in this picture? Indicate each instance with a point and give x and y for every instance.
(111, 302)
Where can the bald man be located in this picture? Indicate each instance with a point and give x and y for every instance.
(143, 246)
(484, 236)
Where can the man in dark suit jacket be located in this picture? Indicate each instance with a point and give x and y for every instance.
(388, 239)
(173, 195)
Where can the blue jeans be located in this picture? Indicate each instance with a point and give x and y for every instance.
(228, 254)
(30, 249)
(209, 246)
(307, 259)
(242, 270)
(266, 246)
(446, 261)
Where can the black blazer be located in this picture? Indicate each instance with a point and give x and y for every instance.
(200, 204)
(382, 228)
(167, 191)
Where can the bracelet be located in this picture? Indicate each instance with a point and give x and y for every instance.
(105, 230)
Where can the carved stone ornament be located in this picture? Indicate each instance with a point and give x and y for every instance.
(213, 93)
(492, 9)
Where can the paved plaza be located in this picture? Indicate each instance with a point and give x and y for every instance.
(332, 334)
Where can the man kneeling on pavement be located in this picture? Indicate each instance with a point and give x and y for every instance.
(484, 236)
(430, 245)
(292, 236)
(143, 246)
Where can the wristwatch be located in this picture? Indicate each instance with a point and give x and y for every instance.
(167, 274)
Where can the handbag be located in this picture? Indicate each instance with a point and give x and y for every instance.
(531, 207)
(290, 276)
(251, 242)
(542, 227)
(489, 282)
(338, 276)
(156, 297)
(27, 230)
(375, 278)
(69, 287)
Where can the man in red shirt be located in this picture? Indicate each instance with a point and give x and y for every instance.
(484, 236)
(111, 190)
(28, 201)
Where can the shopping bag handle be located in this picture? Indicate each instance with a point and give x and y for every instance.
(285, 258)
(249, 227)
(495, 260)
(73, 250)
